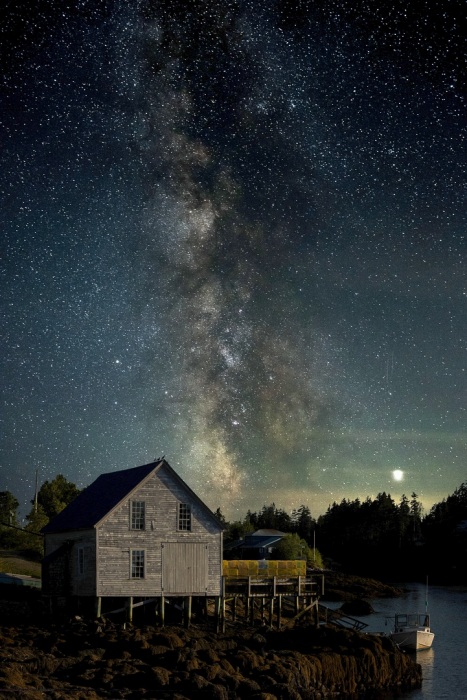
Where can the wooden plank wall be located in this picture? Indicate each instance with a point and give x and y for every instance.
(161, 494)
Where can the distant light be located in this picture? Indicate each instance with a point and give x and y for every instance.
(398, 474)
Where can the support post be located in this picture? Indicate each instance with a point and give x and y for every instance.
(98, 606)
(218, 612)
(279, 612)
(187, 610)
(252, 611)
(130, 610)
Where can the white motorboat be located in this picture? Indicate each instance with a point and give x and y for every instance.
(412, 631)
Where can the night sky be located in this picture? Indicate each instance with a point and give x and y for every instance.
(233, 234)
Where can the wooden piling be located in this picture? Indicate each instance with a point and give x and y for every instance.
(130, 610)
(187, 610)
(218, 612)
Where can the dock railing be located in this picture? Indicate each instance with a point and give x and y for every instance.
(272, 586)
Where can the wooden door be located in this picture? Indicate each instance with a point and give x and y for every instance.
(184, 568)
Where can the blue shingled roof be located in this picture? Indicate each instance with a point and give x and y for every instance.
(99, 498)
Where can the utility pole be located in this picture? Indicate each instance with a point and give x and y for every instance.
(35, 494)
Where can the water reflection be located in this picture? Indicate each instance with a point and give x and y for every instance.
(444, 666)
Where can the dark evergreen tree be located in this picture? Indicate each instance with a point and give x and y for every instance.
(445, 533)
(303, 523)
(271, 517)
(220, 516)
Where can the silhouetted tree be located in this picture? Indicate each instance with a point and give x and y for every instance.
(8, 518)
(271, 517)
(237, 530)
(445, 533)
(55, 495)
(416, 512)
(220, 516)
(303, 523)
(31, 537)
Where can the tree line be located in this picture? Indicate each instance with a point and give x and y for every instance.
(377, 537)
(51, 499)
(373, 537)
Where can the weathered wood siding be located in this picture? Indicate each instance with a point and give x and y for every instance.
(185, 568)
(115, 540)
(62, 574)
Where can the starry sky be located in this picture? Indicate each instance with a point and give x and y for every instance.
(233, 234)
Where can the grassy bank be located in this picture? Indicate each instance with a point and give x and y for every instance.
(16, 562)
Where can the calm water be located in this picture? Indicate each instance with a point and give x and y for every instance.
(445, 664)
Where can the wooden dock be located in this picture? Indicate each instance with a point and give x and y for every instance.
(273, 593)
(266, 599)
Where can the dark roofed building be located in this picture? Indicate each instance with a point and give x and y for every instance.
(98, 499)
(139, 532)
(258, 545)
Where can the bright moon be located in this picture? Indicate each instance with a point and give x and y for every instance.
(398, 474)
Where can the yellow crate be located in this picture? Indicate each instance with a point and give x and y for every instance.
(248, 567)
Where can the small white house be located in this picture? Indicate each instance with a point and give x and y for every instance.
(140, 533)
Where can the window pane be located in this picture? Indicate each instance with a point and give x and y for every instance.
(137, 515)
(137, 563)
(184, 516)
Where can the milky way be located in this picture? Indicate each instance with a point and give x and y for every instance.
(234, 235)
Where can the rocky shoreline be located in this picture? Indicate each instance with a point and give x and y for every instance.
(97, 659)
(350, 588)
(87, 661)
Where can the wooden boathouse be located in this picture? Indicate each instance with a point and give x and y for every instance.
(142, 537)
(138, 533)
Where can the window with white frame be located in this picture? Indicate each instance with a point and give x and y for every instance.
(80, 561)
(184, 516)
(137, 515)
(137, 563)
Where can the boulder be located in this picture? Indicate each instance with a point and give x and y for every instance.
(357, 606)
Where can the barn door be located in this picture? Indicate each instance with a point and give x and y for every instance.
(184, 568)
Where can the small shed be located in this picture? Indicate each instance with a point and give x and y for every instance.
(137, 533)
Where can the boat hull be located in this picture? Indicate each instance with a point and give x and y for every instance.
(414, 640)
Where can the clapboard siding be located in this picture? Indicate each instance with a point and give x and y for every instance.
(107, 541)
(115, 540)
